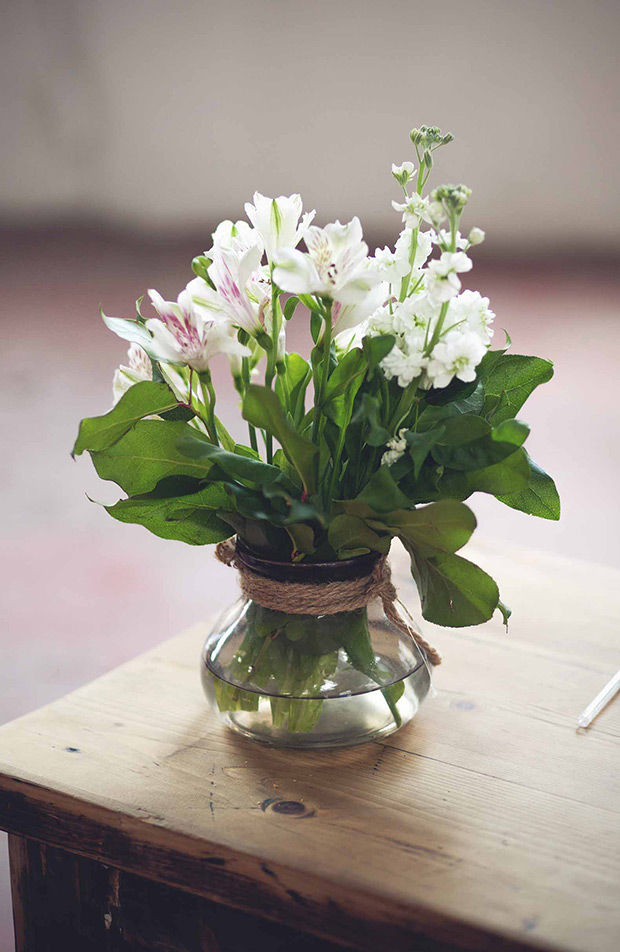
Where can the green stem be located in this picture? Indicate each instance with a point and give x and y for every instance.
(208, 394)
(404, 285)
(324, 370)
(272, 355)
(245, 374)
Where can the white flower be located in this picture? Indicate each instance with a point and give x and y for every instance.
(405, 366)
(414, 210)
(347, 316)
(473, 310)
(335, 266)
(441, 276)
(443, 238)
(138, 368)
(180, 334)
(228, 232)
(403, 173)
(396, 449)
(242, 293)
(455, 355)
(476, 236)
(277, 221)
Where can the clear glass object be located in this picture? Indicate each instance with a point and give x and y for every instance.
(313, 681)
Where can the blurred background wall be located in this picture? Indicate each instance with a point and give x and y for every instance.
(130, 127)
(169, 114)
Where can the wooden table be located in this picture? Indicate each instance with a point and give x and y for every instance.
(138, 822)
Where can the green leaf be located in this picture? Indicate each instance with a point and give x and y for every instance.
(420, 445)
(368, 416)
(147, 454)
(538, 498)
(191, 518)
(381, 492)
(244, 468)
(142, 399)
(132, 331)
(345, 380)
(512, 378)
(444, 526)
(289, 308)
(294, 383)
(376, 348)
(454, 592)
(456, 390)
(510, 475)
(469, 443)
(262, 408)
(350, 535)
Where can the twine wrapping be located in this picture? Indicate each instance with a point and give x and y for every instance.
(324, 598)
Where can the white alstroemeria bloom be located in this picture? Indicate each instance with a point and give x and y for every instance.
(347, 316)
(336, 265)
(396, 448)
(456, 355)
(471, 311)
(403, 173)
(414, 210)
(442, 282)
(277, 221)
(179, 335)
(138, 368)
(229, 232)
(242, 293)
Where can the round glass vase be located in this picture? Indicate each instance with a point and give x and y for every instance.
(299, 680)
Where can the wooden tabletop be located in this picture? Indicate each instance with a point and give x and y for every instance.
(489, 822)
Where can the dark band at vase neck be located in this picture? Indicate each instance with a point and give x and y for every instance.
(342, 571)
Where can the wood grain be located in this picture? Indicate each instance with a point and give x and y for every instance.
(488, 823)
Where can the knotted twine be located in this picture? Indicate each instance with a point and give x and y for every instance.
(324, 598)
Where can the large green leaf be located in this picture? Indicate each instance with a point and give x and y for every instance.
(262, 408)
(469, 443)
(443, 526)
(538, 498)
(350, 536)
(142, 399)
(239, 466)
(510, 475)
(342, 387)
(147, 454)
(381, 492)
(454, 592)
(192, 518)
(294, 380)
(509, 380)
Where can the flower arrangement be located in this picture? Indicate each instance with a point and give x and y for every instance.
(401, 412)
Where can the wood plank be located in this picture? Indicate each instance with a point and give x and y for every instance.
(68, 902)
(488, 823)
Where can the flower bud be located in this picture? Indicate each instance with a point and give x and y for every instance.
(200, 264)
(476, 236)
(403, 173)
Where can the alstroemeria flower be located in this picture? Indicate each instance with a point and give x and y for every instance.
(277, 221)
(347, 316)
(179, 335)
(335, 266)
(138, 368)
(228, 233)
(242, 293)
(442, 282)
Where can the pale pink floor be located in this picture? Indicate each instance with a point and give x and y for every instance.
(82, 593)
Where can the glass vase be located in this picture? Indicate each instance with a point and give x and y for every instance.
(325, 680)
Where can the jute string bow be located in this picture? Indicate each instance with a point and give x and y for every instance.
(324, 598)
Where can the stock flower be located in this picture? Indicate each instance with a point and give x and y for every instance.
(414, 210)
(277, 221)
(394, 265)
(336, 265)
(138, 368)
(472, 309)
(403, 173)
(396, 448)
(405, 366)
(442, 282)
(456, 355)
